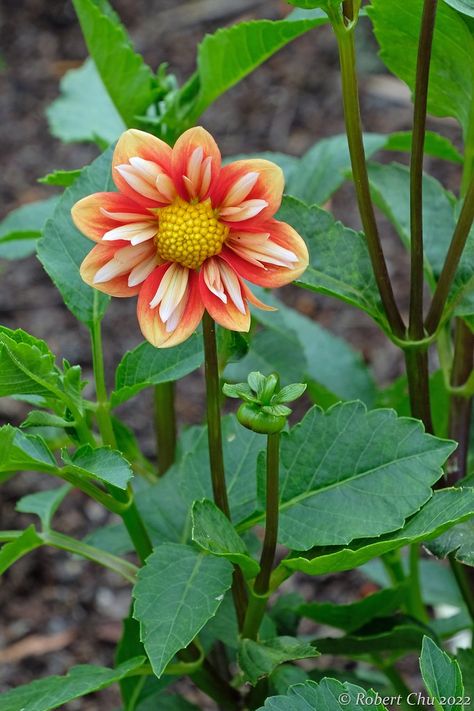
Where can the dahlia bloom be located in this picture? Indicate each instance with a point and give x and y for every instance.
(183, 232)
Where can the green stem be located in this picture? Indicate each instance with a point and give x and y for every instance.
(456, 248)
(96, 555)
(464, 579)
(393, 565)
(130, 516)
(103, 410)
(261, 589)
(393, 675)
(165, 426)
(416, 329)
(460, 407)
(216, 456)
(416, 605)
(416, 361)
(345, 40)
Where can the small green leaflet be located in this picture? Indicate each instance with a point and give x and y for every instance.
(27, 365)
(213, 532)
(329, 695)
(11, 552)
(22, 227)
(442, 676)
(102, 463)
(259, 659)
(55, 691)
(178, 590)
(147, 365)
(84, 111)
(43, 503)
(20, 451)
(459, 541)
(61, 178)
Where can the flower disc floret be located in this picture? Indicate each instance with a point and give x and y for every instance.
(189, 233)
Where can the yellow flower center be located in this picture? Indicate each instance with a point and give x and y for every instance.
(189, 233)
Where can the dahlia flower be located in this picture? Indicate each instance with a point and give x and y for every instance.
(183, 232)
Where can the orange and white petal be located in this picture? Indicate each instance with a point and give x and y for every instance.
(196, 164)
(138, 162)
(96, 214)
(133, 232)
(223, 294)
(248, 192)
(182, 307)
(250, 296)
(118, 268)
(277, 260)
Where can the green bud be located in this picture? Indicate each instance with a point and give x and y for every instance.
(252, 416)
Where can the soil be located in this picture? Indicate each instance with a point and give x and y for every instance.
(58, 611)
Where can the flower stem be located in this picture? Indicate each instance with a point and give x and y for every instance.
(345, 40)
(416, 606)
(416, 329)
(216, 456)
(460, 407)
(258, 601)
(464, 579)
(165, 426)
(416, 361)
(456, 248)
(130, 516)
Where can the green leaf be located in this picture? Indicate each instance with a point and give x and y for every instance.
(232, 346)
(330, 695)
(214, 533)
(19, 451)
(442, 511)
(178, 591)
(308, 4)
(130, 83)
(113, 538)
(166, 506)
(459, 541)
(146, 366)
(351, 616)
(54, 691)
(300, 349)
(39, 418)
(84, 111)
(289, 393)
(391, 634)
(20, 230)
(61, 178)
(26, 365)
(466, 663)
(44, 503)
(339, 464)
(442, 676)
(391, 191)
(164, 701)
(397, 28)
(62, 248)
(435, 145)
(227, 56)
(464, 6)
(103, 463)
(322, 169)
(259, 659)
(13, 551)
(350, 279)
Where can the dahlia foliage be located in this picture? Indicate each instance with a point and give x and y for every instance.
(183, 232)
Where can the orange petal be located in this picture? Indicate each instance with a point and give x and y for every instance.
(97, 258)
(194, 164)
(152, 327)
(273, 276)
(250, 296)
(88, 217)
(226, 314)
(139, 144)
(268, 187)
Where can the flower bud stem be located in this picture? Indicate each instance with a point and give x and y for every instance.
(216, 456)
(261, 589)
(165, 426)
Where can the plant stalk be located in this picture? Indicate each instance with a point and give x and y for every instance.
(416, 361)
(216, 456)
(130, 516)
(460, 407)
(456, 248)
(345, 40)
(416, 329)
(165, 426)
(261, 589)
